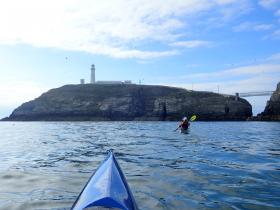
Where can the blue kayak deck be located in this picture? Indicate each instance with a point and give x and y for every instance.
(107, 187)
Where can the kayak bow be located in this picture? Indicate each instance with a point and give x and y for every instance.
(107, 188)
(185, 130)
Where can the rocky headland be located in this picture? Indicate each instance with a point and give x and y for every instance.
(130, 102)
(272, 109)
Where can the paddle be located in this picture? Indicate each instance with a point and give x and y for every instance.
(193, 118)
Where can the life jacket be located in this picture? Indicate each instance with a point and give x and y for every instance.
(185, 125)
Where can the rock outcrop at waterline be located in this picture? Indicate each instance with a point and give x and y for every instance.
(130, 102)
(272, 109)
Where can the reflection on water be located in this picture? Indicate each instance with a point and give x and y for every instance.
(217, 165)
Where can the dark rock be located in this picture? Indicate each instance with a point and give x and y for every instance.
(130, 102)
(273, 105)
(272, 109)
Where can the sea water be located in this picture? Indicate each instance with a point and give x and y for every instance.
(217, 165)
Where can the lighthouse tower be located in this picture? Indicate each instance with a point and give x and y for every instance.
(92, 77)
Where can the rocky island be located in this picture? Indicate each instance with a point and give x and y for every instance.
(129, 102)
(272, 109)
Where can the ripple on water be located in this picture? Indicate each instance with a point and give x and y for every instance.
(217, 165)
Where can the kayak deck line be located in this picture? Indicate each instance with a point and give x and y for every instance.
(107, 187)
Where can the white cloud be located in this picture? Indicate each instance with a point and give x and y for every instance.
(275, 57)
(126, 53)
(256, 83)
(263, 27)
(192, 44)
(276, 34)
(269, 4)
(247, 78)
(193, 65)
(235, 72)
(251, 26)
(232, 10)
(222, 2)
(102, 27)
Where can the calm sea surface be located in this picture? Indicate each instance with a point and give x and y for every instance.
(217, 165)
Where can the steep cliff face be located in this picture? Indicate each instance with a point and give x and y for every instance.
(130, 102)
(272, 109)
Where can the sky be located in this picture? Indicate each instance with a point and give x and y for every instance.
(224, 46)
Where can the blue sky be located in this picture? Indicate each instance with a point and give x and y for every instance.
(199, 44)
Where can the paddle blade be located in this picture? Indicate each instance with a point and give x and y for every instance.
(193, 118)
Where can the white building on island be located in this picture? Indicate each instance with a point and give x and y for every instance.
(92, 79)
(92, 76)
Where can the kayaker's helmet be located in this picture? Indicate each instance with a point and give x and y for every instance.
(185, 118)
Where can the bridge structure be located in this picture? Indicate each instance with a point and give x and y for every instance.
(255, 93)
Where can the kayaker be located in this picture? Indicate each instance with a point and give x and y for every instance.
(184, 124)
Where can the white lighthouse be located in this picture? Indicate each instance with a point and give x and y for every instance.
(92, 78)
